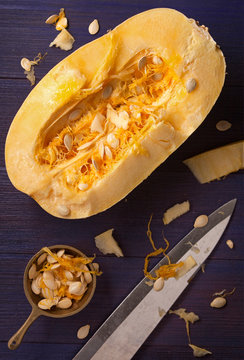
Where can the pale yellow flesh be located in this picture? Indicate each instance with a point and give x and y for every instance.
(175, 211)
(216, 163)
(189, 52)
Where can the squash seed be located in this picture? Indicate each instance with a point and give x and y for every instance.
(60, 253)
(139, 90)
(112, 141)
(49, 281)
(156, 60)
(96, 266)
(39, 280)
(230, 244)
(191, 85)
(159, 284)
(58, 282)
(35, 288)
(68, 141)
(69, 276)
(25, 64)
(95, 164)
(32, 271)
(107, 91)
(76, 288)
(76, 114)
(55, 266)
(63, 210)
(41, 258)
(218, 302)
(46, 304)
(93, 28)
(142, 63)
(82, 186)
(85, 145)
(223, 125)
(87, 277)
(52, 19)
(82, 279)
(47, 293)
(96, 125)
(108, 152)
(201, 221)
(51, 259)
(64, 303)
(83, 332)
(157, 77)
(78, 274)
(62, 23)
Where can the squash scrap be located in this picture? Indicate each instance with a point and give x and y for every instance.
(62, 21)
(194, 248)
(188, 264)
(28, 65)
(165, 271)
(64, 40)
(175, 211)
(216, 163)
(224, 293)
(199, 352)
(107, 244)
(59, 21)
(190, 317)
(161, 312)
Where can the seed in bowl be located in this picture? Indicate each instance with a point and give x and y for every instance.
(60, 279)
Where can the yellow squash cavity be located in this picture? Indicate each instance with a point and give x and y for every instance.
(107, 115)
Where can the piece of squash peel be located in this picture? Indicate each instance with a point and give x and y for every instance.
(64, 40)
(199, 352)
(216, 163)
(107, 244)
(175, 211)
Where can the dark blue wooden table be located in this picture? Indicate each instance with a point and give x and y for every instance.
(25, 227)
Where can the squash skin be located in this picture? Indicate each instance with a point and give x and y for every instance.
(179, 38)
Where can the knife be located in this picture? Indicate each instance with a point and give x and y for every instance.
(123, 333)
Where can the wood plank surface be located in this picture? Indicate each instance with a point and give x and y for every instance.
(25, 227)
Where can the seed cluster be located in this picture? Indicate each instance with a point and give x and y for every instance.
(59, 278)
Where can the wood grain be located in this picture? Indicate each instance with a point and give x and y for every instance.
(25, 227)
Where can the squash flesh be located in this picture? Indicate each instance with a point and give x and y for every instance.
(216, 163)
(136, 92)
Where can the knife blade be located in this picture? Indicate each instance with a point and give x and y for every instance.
(126, 329)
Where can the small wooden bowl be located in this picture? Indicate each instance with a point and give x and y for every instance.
(33, 299)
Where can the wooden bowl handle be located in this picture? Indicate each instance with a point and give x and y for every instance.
(16, 339)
